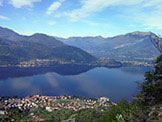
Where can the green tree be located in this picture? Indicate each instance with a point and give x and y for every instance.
(145, 107)
(151, 92)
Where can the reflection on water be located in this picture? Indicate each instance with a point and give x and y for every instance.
(60, 69)
(115, 83)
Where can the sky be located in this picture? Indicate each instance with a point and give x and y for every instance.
(66, 18)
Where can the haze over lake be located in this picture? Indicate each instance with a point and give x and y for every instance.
(115, 83)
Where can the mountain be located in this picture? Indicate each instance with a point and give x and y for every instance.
(44, 39)
(16, 52)
(86, 43)
(38, 37)
(135, 46)
(9, 34)
(40, 50)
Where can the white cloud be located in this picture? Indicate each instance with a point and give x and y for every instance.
(51, 23)
(21, 3)
(150, 20)
(90, 6)
(4, 18)
(54, 6)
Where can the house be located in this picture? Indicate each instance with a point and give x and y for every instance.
(103, 99)
(2, 112)
(48, 109)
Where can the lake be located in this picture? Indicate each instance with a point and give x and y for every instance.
(115, 83)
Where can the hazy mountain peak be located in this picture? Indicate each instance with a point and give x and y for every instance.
(43, 36)
(10, 34)
(99, 37)
(141, 33)
(44, 39)
(37, 37)
(39, 34)
(5, 29)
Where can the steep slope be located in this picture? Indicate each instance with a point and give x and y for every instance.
(42, 50)
(132, 46)
(44, 39)
(16, 52)
(86, 43)
(38, 37)
(9, 34)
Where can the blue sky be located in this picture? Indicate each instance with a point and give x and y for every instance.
(65, 18)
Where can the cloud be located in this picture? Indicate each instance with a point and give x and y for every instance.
(136, 11)
(154, 22)
(151, 19)
(152, 3)
(51, 80)
(54, 6)
(90, 6)
(51, 23)
(21, 3)
(1, 3)
(4, 18)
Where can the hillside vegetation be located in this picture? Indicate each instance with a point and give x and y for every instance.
(122, 47)
(147, 106)
(15, 52)
(40, 50)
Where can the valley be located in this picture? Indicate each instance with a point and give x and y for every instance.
(40, 50)
(127, 47)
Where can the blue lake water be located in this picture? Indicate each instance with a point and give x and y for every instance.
(115, 83)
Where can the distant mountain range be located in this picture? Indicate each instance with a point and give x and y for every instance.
(44, 39)
(135, 46)
(40, 50)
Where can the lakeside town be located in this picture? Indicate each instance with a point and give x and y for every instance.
(136, 63)
(53, 103)
(99, 62)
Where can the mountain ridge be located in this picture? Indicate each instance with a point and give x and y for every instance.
(122, 47)
(40, 50)
(45, 39)
(126, 47)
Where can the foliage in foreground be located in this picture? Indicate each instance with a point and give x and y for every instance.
(148, 104)
(87, 115)
(147, 107)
